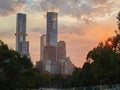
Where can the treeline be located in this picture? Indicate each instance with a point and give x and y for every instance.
(103, 62)
(102, 65)
(18, 72)
(15, 71)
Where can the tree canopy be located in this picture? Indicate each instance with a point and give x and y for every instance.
(16, 71)
(105, 59)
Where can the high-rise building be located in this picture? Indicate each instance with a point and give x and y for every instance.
(49, 53)
(22, 45)
(52, 28)
(61, 52)
(53, 54)
(42, 45)
(65, 66)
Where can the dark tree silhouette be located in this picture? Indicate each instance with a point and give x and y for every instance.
(106, 59)
(16, 71)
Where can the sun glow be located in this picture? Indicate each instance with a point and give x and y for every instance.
(109, 43)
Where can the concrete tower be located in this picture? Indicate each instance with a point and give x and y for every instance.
(52, 28)
(22, 45)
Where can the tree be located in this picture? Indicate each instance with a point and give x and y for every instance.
(87, 75)
(16, 71)
(76, 77)
(106, 59)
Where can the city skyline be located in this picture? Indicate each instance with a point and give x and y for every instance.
(82, 23)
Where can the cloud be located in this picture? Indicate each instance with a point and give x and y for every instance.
(32, 6)
(90, 9)
(75, 8)
(99, 1)
(8, 7)
(5, 33)
(38, 30)
(74, 30)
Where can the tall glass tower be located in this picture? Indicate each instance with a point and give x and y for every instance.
(22, 45)
(52, 28)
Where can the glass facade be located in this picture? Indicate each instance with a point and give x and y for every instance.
(52, 28)
(22, 45)
(20, 30)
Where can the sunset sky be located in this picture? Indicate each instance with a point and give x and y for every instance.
(82, 23)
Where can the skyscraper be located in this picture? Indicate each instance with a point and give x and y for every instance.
(42, 45)
(22, 45)
(61, 50)
(49, 53)
(52, 28)
(53, 54)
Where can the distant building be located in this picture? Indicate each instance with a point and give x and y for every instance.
(40, 66)
(22, 45)
(61, 50)
(24, 48)
(65, 66)
(49, 53)
(53, 54)
(42, 45)
(49, 45)
(52, 28)
(50, 67)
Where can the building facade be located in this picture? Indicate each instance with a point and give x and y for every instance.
(52, 28)
(49, 53)
(42, 45)
(22, 45)
(61, 52)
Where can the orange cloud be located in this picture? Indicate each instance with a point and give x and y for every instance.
(8, 7)
(82, 38)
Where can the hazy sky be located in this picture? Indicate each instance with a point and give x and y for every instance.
(82, 23)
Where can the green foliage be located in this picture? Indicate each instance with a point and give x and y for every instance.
(88, 77)
(83, 76)
(106, 61)
(106, 64)
(76, 78)
(16, 71)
